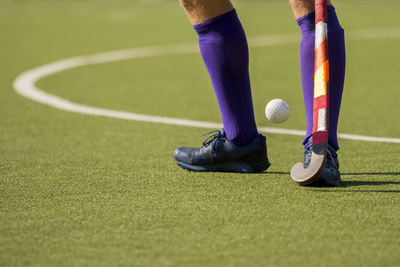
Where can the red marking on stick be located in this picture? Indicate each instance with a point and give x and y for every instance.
(319, 137)
(321, 13)
(320, 102)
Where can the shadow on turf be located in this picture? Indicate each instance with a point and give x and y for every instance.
(268, 172)
(348, 173)
(348, 184)
(371, 173)
(372, 183)
(359, 191)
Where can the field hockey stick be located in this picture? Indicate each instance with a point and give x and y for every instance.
(301, 174)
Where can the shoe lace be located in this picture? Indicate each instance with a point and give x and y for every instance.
(331, 155)
(330, 163)
(210, 140)
(212, 136)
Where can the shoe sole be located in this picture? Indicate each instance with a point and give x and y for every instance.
(240, 167)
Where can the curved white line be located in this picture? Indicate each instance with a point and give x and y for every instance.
(24, 84)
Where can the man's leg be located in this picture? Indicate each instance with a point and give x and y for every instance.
(303, 11)
(200, 11)
(223, 46)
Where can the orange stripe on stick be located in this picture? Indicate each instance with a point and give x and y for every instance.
(321, 79)
(321, 54)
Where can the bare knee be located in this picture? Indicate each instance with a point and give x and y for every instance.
(191, 5)
(303, 7)
(302, 4)
(201, 10)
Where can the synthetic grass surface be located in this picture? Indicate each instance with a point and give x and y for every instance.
(82, 190)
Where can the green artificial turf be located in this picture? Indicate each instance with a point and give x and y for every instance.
(78, 190)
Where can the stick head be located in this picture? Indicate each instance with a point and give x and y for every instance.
(306, 175)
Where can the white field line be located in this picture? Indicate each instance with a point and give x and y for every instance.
(24, 84)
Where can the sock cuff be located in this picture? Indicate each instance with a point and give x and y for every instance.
(212, 23)
(307, 22)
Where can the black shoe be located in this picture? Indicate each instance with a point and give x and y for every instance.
(220, 155)
(330, 175)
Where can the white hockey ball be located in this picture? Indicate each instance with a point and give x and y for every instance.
(277, 111)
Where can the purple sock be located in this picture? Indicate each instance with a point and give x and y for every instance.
(223, 46)
(337, 65)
